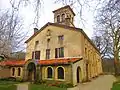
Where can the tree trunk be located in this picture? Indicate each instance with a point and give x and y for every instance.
(116, 66)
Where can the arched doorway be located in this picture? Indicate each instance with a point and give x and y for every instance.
(78, 74)
(31, 71)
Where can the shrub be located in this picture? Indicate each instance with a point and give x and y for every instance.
(8, 79)
(64, 85)
(18, 79)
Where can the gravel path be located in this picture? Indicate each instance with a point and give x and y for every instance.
(22, 86)
(103, 82)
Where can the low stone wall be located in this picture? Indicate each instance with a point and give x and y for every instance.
(4, 72)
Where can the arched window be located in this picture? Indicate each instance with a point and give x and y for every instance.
(19, 71)
(13, 71)
(63, 17)
(60, 73)
(49, 72)
(58, 18)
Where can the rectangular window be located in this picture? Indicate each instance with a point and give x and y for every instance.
(47, 53)
(36, 55)
(36, 44)
(59, 52)
(60, 39)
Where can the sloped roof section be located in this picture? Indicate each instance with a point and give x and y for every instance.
(40, 62)
(59, 61)
(67, 6)
(12, 63)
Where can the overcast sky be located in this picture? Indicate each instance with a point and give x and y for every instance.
(47, 16)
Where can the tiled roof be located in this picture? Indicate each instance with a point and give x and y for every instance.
(63, 8)
(41, 62)
(58, 61)
(12, 63)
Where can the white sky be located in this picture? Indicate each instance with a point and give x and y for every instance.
(47, 16)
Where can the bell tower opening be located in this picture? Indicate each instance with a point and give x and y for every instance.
(64, 15)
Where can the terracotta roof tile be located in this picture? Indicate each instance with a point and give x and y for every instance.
(58, 61)
(41, 62)
(12, 62)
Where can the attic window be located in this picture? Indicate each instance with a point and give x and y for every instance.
(36, 43)
(48, 32)
(48, 42)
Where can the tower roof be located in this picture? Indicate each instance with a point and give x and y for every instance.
(67, 6)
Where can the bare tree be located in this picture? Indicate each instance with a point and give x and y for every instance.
(103, 44)
(11, 36)
(17, 4)
(108, 21)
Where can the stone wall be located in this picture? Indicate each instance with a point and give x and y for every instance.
(67, 72)
(4, 72)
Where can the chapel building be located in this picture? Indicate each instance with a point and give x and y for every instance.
(58, 51)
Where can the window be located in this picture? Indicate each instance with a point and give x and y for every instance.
(36, 55)
(60, 39)
(47, 53)
(36, 44)
(13, 71)
(59, 52)
(49, 72)
(48, 42)
(58, 18)
(60, 73)
(48, 32)
(19, 71)
(63, 17)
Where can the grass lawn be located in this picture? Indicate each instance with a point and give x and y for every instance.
(8, 85)
(116, 85)
(43, 87)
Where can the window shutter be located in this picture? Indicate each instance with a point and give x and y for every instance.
(37, 54)
(56, 52)
(32, 55)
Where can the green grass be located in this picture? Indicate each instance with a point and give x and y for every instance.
(2, 82)
(8, 85)
(116, 85)
(44, 87)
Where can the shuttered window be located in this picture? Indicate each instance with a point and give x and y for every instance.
(47, 53)
(59, 52)
(36, 55)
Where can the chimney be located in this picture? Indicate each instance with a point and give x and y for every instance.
(35, 30)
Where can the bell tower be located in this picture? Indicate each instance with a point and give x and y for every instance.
(64, 15)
